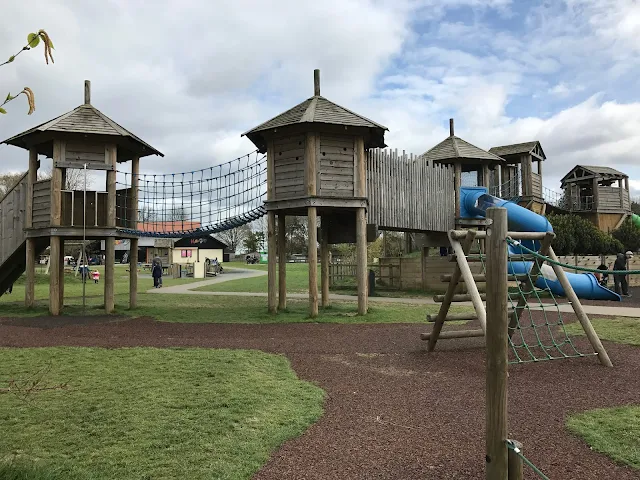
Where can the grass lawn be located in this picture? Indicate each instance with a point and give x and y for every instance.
(150, 413)
(612, 431)
(619, 330)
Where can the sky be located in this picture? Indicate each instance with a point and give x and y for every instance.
(190, 76)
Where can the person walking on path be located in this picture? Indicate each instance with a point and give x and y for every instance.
(620, 282)
(156, 273)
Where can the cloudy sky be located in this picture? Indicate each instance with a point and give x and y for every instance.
(190, 76)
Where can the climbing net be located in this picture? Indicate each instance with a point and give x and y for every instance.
(194, 203)
(536, 322)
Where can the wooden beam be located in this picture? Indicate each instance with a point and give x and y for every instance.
(310, 164)
(460, 234)
(56, 184)
(457, 181)
(54, 277)
(516, 465)
(30, 260)
(111, 152)
(133, 250)
(497, 347)
(61, 275)
(282, 261)
(324, 260)
(271, 262)
(454, 334)
(361, 260)
(580, 313)
(453, 285)
(313, 261)
(461, 297)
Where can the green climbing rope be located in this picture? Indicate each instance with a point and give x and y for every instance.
(538, 337)
(516, 243)
(513, 447)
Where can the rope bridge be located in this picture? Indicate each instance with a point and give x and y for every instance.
(194, 203)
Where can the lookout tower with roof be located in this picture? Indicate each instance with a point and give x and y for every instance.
(52, 214)
(521, 174)
(600, 194)
(475, 163)
(316, 166)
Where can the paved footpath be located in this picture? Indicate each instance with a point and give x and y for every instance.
(238, 274)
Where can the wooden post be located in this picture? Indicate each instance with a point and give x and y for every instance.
(424, 265)
(621, 190)
(87, 92)
(271, 261)
(54, 276)
(497, 346)
(516, 465)
(316, 82)
(361, 260)
(485, 176)
(596, 195)
(324, 262)
(580, 313)
(282, 262)
(526, 170)
(61, 274)
(29, 291)
(110, 242)
(457, 180)
(313, 261)
(133, 249)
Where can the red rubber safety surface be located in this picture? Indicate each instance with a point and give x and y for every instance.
(392, 410)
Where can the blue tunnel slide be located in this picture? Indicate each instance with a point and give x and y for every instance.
(474, 202)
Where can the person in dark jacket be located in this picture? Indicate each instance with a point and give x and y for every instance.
(603, 278)
(620, 280)
(156, 273)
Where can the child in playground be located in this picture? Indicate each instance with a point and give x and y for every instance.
(156, 273)
(603, 278)
(96, 276)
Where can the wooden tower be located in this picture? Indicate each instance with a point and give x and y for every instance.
(521, 174)
(316, 166)
(464, 157)
(601, 194)
(83, 136)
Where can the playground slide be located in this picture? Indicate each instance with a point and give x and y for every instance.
(474, 203)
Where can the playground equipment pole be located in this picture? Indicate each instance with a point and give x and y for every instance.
(497, 342)
(84, 242)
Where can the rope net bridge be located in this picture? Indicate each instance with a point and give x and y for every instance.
(194, 203)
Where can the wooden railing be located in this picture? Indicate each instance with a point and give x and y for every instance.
(12, 219)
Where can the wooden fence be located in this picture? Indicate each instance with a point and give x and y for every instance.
(407, 192)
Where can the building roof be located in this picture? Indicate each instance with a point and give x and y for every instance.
(178, 226)
(84, 120)
(518, 149)
(318, 110)
(453, 149)
(606, 173)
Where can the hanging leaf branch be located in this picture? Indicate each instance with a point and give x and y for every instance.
(33, 40)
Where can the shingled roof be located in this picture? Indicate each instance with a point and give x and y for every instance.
(518, 149)
(456, 150)
(319, 110)
(577, 173)
(84, 120)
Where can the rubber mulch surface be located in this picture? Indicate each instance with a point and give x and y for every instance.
(392, 410)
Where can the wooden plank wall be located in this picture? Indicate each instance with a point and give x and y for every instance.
(77, 154)
(337, 165)
(609, 199)
(289, 166)
(12, 220)
(536, 184)
(42, 204)
(407, 193)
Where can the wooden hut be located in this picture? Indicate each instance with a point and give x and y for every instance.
(316, 166)
(521, 173)
(83, 136)
(600, 194)
(474, 162)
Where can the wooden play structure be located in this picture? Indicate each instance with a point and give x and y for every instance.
(316, 166)
(83, 137)
(600, 194)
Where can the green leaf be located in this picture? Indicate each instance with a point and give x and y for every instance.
(33, 40)
(9, 97)
(51, 44)
(11, 58)
(2, 110)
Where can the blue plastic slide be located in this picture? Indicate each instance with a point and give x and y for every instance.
(474, 202)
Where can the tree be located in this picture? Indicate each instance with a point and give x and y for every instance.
(635, 205)
(177, 214)
(74, 178)
(33, 40)
(8, 181)
(578, 236)
(254, 242)
(235, 237)
(297, 235)
(629, 235)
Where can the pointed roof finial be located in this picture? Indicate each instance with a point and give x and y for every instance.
(87, 92)
(451, 134)
(316, 83)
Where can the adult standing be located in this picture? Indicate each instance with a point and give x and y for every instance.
(156, 272)
(620, 282)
